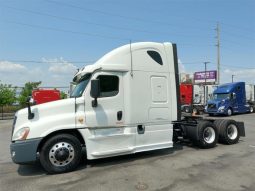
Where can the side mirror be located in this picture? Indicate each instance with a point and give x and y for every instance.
(95, 91)
(30, 114)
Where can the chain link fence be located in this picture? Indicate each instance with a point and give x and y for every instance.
(8, 111)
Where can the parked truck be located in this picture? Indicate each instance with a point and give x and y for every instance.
(45, 95)
(127, 102)
(228, 99)
(193, 98)
(250, 95)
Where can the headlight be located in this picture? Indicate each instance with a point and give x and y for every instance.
(21, 134)
(206, 107)
(221, 107)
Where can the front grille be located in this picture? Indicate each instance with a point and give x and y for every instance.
(211, 106)
(14, 122)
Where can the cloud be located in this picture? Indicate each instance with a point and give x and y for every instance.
(246, 75)
(59, 66)
(6, 66)
(181, 67)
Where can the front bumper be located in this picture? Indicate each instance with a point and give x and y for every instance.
(23, 152)
(217, 111)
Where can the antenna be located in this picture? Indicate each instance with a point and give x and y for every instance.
(131, 73)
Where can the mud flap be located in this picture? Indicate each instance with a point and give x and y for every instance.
(241, 128)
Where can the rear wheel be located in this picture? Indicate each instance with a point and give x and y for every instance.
(61, 153)
(195, 111)
(208, 134)
(228, 131)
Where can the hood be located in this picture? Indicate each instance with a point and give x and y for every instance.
(47, 113)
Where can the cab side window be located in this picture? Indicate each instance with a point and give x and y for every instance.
(109, 85)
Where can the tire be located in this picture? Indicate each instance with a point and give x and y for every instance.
(208, 135)
(251, 109)
(217, 123)
(187, 110)
(228, 131)
(61, 153)
(229, 112)
(195, 110)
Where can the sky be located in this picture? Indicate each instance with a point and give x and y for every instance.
(48, 40)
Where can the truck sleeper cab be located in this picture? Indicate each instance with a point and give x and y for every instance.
(229, 99)
(127, 102)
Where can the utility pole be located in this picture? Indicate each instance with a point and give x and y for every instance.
(205, 97)
(233, 78)
(218, 52)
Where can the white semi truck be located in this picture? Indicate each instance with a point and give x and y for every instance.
(250, 95)
(201, 94)
(127, 102)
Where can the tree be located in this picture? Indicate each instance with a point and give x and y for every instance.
(27, 91)
(7, 95)
(63, 95)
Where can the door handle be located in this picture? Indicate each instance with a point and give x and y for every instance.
(140, 129)
(119, 115)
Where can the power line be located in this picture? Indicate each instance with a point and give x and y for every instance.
(85, 33)
(105, 13)
(116, 15)
(67, 31)
(97, 24)
(248, 68)
(238, 35)
(238, 27)
(38, 61)
(141, 19)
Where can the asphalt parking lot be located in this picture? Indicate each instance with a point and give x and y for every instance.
(184, 167)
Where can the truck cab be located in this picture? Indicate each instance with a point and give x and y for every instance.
(228, 99)
(136, 101)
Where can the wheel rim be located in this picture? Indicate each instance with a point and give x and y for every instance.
(209, 135)
(251, 109)
(232, 132)
(229, 112)
(61, 154)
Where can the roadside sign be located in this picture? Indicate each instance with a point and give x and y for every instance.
(199, 77)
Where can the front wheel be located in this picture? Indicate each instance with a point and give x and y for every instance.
(187, 110)
(229, 112)
(61, 153)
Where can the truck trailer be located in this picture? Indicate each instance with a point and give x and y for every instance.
(229, 99)
(125, 103)
(45, 95)
(250, 95)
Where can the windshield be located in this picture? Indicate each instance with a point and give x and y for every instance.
(80, 86)
(221, 96)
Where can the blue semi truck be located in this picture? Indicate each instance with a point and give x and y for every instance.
(229, 99)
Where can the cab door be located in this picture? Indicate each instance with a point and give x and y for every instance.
(106, 121)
